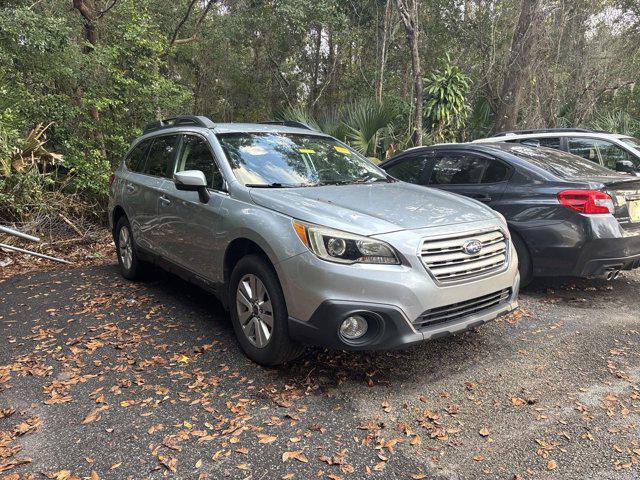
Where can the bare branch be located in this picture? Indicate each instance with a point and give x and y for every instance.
(182, 41)
(179, 26)
(107, 8)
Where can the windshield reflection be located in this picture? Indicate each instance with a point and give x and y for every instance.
(281, 159)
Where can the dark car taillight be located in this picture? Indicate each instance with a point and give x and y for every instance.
(112, 177)
(587, 201)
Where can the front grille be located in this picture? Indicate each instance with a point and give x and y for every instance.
(461, 309)
(447, 261)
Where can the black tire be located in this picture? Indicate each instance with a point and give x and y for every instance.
(524, 261)
(280, 348)
(130, 270)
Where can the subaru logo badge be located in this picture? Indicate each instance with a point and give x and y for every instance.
(472, 247)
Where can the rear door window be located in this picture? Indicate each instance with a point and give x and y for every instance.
(495, 172)
(408, 170)
(453, 169)
(196, 155)
(136, 158)
(161, 154)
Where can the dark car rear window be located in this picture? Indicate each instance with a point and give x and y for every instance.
(563, 164)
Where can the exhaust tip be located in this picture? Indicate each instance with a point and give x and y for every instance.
(612, 275)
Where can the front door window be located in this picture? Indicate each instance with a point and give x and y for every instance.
(599, 151)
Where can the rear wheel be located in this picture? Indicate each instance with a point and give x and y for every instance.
(259, 313)
(130, 266)
(524, 261)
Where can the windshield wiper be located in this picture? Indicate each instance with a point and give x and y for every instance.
(275, 185)
(332, 182)
(370, 178)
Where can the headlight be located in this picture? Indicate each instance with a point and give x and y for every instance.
(343, 247)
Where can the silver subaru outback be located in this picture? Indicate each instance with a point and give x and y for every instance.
(304, 240)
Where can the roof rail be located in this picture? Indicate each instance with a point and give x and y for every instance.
(288, 123)
(543, 130)
(180, 120)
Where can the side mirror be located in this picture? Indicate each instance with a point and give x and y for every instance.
(192, 181)
(625, 166)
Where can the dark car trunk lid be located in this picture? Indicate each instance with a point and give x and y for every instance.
(626, 198)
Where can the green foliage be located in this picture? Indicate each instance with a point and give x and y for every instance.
(617, 121)
(446, 107)
(97, 100)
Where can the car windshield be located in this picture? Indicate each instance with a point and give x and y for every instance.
(564, 164)
(295, 160)
(632, 142)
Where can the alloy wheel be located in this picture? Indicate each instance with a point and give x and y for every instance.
(125, 247)
(255, 312)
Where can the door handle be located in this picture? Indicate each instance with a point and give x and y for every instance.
(482, 197)
(164, 200)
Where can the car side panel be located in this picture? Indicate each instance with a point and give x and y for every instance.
(241, 220)
(140, 197)
(190, 231)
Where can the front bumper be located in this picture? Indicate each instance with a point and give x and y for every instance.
(388, 327)
(321, 294)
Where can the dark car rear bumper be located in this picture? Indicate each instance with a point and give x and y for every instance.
(598, 257)
(589, 246)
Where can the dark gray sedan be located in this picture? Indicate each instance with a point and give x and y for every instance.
(567, 216)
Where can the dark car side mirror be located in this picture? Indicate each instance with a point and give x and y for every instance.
(625, 166)
(192, 181)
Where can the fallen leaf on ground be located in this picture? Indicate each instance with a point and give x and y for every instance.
(266, 438)
(296, 454)
(94, 414)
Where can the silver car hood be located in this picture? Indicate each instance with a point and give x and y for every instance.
(372, 209)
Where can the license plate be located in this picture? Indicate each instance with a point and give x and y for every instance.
(634, 210)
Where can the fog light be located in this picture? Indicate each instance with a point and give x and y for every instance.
(354, 327)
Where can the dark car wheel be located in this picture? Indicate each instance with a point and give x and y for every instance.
(259, 313)
(524, 260)
(130, 266)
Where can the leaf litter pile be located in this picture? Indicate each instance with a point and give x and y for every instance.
(145, 381)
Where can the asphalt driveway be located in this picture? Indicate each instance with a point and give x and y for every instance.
(103, 378)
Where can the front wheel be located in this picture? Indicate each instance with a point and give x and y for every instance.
(259, 313)
(130, 266)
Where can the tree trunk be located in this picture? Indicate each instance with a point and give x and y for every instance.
(313, 91)
(409, 13)
(517, 73)
(89, 17)
(388, 13)
(330, 69)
